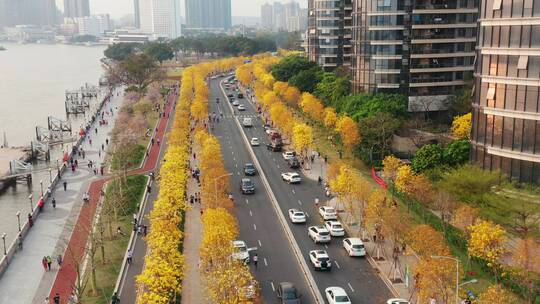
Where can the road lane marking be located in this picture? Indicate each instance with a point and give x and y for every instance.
(238, 172)
(273, 288)
(278, 166)
(300, 202)
(265, 262)
(250, 213)
(236, 165)
(293, 191)
(350, 287)
(339, 267)
(325, 246)
(247, 202)
(260, 244)
(307, 214)
(254, 227)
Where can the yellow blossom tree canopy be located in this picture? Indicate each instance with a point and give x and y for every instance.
(461, 126)
(427, 241)
(330, 117)
(496, 294)
(302, 137)
(348, 130)
(487, 242)
(436, 278)
(291, 95)
(391, 165)
(312, 106)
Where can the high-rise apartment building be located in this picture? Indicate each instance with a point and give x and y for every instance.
(160, 18)
(31, 12)
(286, 16)
(95, 25)
(506, 109)
(267, 20)
(329, 32)
(76, 8)
(422, 48)
(136, 14)
(208, 14)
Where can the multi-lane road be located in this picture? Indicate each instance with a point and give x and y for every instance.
(283, 247)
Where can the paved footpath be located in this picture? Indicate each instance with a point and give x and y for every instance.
(25, 276)
(66, 278)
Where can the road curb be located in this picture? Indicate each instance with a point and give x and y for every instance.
(292, 241)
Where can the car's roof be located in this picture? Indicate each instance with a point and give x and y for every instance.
(286, 286)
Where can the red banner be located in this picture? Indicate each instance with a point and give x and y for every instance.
(377, 179)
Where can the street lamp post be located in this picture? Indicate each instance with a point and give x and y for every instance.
(30, 199)
(4, 241)
(41, 185)
(50, 175)
(19, 220)
(215, 184)
(457, 271)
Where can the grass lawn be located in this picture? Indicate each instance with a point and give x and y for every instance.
(107, 271)
(175, 72)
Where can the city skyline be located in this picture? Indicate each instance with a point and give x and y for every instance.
(119, 8)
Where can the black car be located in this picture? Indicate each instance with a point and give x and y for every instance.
(247, 186)
(274, 147)
(288, 294)
(240, 95)
(293, 163)
(249, 169)
(230, 95)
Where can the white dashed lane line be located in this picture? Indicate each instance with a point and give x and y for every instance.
(337, 264)
(250, 213)
(260, 244)
(254, 227)
(247, 202)
(265, 262)
(352, 289)
(293, 191)
(300, 202)
(273, 288)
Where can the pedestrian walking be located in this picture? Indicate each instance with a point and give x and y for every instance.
(319, 180)
(115, 299)
(83, 154)
(255, 260)
(96, 130)
(56, 298)
(149, 189)
(30, 220)
(44, 263)
(119, 231)
(102, 146)
(59, 260)
(317, 202)
(152, 141)
(73, 168)
(53, 202)
(107, 141)
(191, 199)
(129, 256)
(49, 261)
(65, 185)
(95, 171)
(76, 163)
(101, 170)
(40, 205)
(20, 242)
(99, 153)
(90, 141)
(145, 230)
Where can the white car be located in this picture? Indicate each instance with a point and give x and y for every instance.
(291, 177)
(328, 213)
(235, 103)
(288, 155)
(241, 108)
(397, 301)
(336, 295)
(247, 122)
(320, 260)
(269, 131)
(297, 216)
(241, 252)
(255, 141)
(335, 228)
(319, 234)
(354, 247)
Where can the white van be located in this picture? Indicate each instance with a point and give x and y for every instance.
(247, 122)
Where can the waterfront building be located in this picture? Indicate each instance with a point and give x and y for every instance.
(506, 108)
(95, 25)
(424, 49)
(76, 8)
(208, 14)
(329, 33)
(160, 18)
(30, 12)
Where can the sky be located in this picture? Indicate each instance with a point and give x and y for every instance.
(118, 8)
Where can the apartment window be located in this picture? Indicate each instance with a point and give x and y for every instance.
(491, 93)
(522, 62)
(497, 4)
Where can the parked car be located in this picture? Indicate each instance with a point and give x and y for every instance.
(241, 108)
(288, 294)
(291, 177)
(288, 155)
(336, 295)
(354, 247)
(241, 252)
(274, 147)
(335, 228)
(297, 216)
(249, 169)
(240, 95)
(327, 213)
(320, 260)
(293, 163)
(319, 234)
(230, 95)
(255, 141)
(247, 122)
(397, 301)
(247, 186)
(236, 103)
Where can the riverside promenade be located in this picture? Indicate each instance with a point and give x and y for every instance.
(75, 251)
(25, 276)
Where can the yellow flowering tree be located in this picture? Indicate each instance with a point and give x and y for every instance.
(435, 278)
(427, 241)
(391, 164)
(496, 294)
(486, 242)
(461, 126)
(302, 137)
(312, 106)
(348, 130)
(330, 117)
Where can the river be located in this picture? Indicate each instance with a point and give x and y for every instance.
(33, 81)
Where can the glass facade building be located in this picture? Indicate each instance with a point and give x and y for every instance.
(421, 48)
(506, 116)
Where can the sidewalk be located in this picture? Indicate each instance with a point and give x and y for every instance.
(398, 279)
(25, 277)
(66, 278)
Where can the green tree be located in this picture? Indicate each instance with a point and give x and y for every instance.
(159, 51)
(120, 51)
(332, 88)
(362, 105)
(291, 66)
(139, 70)
(428, 157)
(377, 131)
(457, 152)
(306, 80)
(469, 183)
